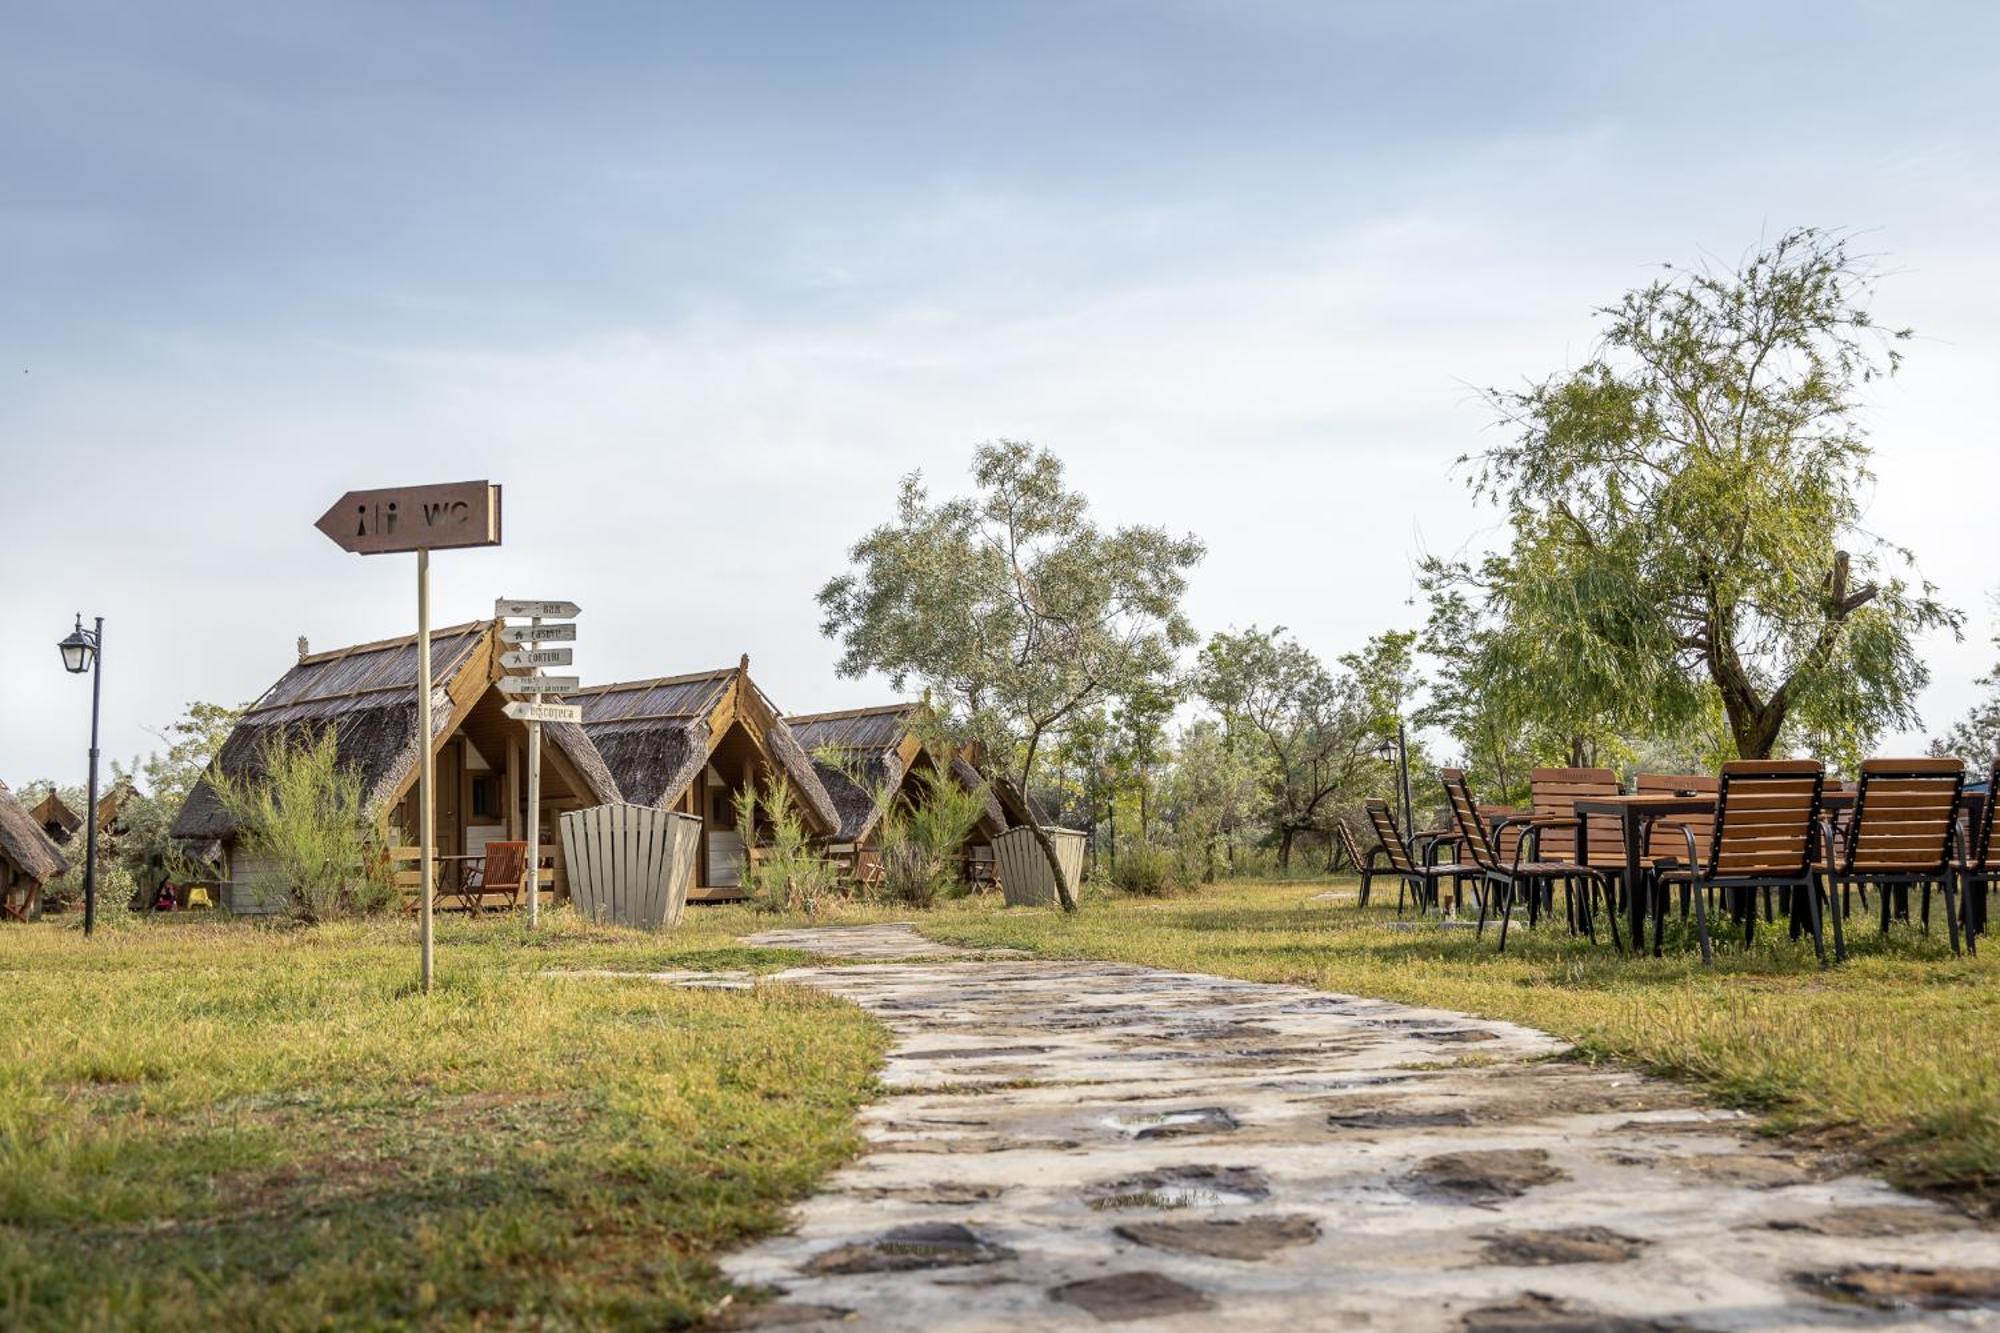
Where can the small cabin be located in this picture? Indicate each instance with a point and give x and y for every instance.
(695, 744)
(367, 695)
(871, 760)
(29, 859)
(56, 818)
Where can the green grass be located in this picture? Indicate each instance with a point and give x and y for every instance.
(217, 1125)
(1895, 1055)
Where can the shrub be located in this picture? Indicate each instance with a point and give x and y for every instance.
(1149, 869)
(790, 874)
(923, 841)
(304, 825)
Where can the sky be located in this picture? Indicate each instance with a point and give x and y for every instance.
(698, 283)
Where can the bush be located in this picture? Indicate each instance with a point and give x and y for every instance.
(923, 842)
(1149, 869)
(305, 826)
(790, 875)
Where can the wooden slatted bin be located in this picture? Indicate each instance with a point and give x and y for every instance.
(630, 865)
(1025, 877)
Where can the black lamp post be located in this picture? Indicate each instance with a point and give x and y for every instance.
(1397, 747)
(81, 652)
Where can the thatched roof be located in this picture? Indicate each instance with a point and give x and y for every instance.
(366, 695)
(24, 842)
(657, 735)
(861, 753)
(55, 817)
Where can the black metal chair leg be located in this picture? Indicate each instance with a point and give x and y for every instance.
(1700, 895)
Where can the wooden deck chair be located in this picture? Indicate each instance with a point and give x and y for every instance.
(1978, 863)
(1766, 833)
(501, 872)
(1417, 873)
(1901, 834)
(1666, 845)
(1525, 874)
(1552, 794)
(1350, 847)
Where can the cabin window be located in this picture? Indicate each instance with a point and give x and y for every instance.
(485, 798)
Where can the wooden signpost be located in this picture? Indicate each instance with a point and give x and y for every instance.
(532, 710)
(420, 519)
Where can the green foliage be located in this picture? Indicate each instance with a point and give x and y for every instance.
(1315, 730)
(1152, 869)
(1211, 792)
(923, 839)
(1679, 505)
(1012, 607)
(302, 822)
(1975, 738)
(789, 872)
(163, 782)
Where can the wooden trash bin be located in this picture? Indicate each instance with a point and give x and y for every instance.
(1025, 877)
(630, 865)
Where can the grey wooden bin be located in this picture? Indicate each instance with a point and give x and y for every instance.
(1025, 877)
(630, 865)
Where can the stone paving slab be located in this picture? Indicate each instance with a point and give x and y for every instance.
(1077, 1144)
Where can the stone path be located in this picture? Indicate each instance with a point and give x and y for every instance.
(1072, 1144)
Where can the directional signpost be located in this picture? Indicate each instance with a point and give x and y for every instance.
(419, 519)
(531, 709)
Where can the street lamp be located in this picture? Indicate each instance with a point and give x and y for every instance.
(1397, 747)
(81, 652)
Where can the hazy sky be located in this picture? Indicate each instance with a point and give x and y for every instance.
(697, 283)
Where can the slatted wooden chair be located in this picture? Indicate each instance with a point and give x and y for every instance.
(1903, 826)
(1666, 845)
(1350, 847)
(1978, 863)
(1765, 835)
(1526, 874)
(1552, 794)
(500, 873)
(1416, 873)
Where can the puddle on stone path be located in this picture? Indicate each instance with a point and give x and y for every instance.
(1172, 1124)
(1181, 1187)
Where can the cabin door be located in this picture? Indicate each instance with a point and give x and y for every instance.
(450, 790)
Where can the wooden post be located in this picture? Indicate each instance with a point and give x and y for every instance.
(426, 766)
(535, 812)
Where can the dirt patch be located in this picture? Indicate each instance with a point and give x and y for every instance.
(1533, 1312)
(1484, 1177)
(944, 1192)
(1127, 1296)
(1181, 1187)
(1568, 1245)
(1243, 1238)
(1386, 1117)
(1875, 1220)
(778, 1314)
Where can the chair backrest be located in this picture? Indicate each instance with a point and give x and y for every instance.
(1508, 838)
(506, 865)
(1766, 811)
(1666, 839)
(1554, 792)
(1471, 825)
(1980, 843)
(1905, 811)
(1383, 821)
(1349, 846)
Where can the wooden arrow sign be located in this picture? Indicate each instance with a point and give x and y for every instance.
(509, 609)
(415, 518)
(538, 684)
(557, 633)
(523, 711)
(538, 657)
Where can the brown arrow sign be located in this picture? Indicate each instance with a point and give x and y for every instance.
(415, 518)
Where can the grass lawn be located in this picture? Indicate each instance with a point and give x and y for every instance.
(1895, 1055)
(219, 1125)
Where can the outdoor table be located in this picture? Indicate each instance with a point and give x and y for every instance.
(1633, 813)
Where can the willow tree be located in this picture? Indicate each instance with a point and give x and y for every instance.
(1019, 614)
(1686, 512)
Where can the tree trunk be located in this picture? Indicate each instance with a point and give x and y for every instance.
(1285, 836)
(1065, 891)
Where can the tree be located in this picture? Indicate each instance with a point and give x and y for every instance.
(1015, 610)
(1683, 507)
(1317, 731)
(1975, 738)
(1210, 789)
(145, 847)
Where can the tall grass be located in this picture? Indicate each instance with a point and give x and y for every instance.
(789, 873)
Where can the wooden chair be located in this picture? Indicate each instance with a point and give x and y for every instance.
(1350, 847)
(1666, 845)
(1417, 873)
(501, 873)
(1525, 871)
(1552, 794)
(1764, 836)
(1978, 863)
(1901, 833)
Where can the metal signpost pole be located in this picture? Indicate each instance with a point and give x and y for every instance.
(426, 767)
(535, 810)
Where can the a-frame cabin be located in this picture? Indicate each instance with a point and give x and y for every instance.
(29, 859)
(694, 744)
(367, 694)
